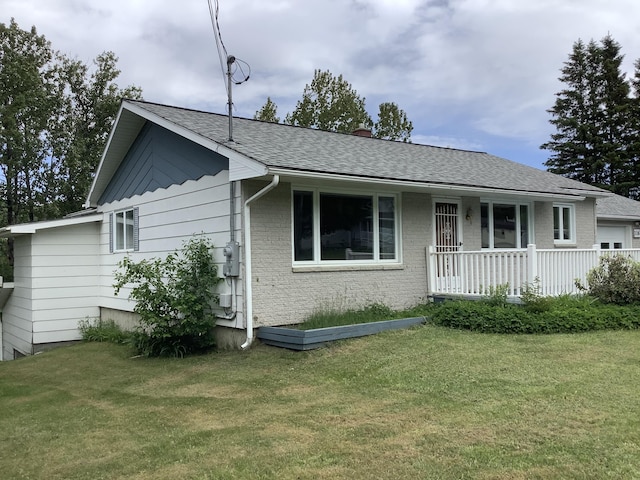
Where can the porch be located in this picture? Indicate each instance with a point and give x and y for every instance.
(475, 273)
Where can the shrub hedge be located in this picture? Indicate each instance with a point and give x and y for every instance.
(563, 315)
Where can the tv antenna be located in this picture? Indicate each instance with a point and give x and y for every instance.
(230, 60)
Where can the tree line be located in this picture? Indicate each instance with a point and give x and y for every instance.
(597, 120)
(55, 115)
(331, 103)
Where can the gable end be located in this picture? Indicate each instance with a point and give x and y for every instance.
(160, 158)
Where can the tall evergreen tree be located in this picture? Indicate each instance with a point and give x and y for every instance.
(633, 143)
(615, 117)
(591, 115)
(27, 98)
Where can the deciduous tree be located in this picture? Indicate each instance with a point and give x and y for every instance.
(331, 103)
(55, 116)
(392, 123)
(268, 112)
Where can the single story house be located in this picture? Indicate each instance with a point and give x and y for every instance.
(302, 220)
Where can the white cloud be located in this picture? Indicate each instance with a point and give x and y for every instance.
(466, 68)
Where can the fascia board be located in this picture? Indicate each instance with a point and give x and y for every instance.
(126, 126)
(631, 218)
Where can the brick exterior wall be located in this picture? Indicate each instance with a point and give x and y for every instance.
(585, 223)
(286, 295)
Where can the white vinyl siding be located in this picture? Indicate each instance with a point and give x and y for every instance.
(168, 218)
(56, 286)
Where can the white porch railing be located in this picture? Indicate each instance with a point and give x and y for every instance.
(476, 273)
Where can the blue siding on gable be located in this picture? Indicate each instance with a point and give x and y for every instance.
(160, 158)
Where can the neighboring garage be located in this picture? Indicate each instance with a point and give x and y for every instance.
(614, 237)
(618, 220)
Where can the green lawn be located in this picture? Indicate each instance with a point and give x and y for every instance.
(426, 403)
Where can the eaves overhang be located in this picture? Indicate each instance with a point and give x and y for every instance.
(34, 227)
(620, 218)
(291, 175)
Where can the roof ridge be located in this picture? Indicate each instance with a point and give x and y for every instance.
(194, 110)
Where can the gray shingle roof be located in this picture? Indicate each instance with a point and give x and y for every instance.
(309, 150)
(618, 207)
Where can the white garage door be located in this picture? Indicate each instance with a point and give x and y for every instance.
(612, 237)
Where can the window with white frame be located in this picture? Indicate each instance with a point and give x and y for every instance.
(335, 227)
(505, 225)
(123, 226)
(564, 223)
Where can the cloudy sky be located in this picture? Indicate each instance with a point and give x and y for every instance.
(471, 74)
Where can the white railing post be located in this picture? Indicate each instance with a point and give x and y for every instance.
(596, 247)
(431, 270)
(532, 263)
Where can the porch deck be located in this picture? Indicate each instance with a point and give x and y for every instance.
(475, 273)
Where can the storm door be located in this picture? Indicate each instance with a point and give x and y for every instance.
(446, 220)
(448, 242)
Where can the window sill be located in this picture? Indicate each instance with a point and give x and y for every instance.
(565, 245)
(346, 268)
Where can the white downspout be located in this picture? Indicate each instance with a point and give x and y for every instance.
(247, 258)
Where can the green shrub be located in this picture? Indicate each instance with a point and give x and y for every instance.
(532, 298)
(615, 280)
(497, 295)
(568, 314)
(97, 330)
(174, 299)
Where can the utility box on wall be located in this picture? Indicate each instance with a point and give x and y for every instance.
(225, 300)
(231, 253)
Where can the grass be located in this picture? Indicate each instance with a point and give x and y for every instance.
(335, 317)
(427, 402)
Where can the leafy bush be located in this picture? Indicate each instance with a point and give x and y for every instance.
(615, 280)
(98, 330)
(497, 295)
(532, 298)
(567, 314)
(174, 299)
